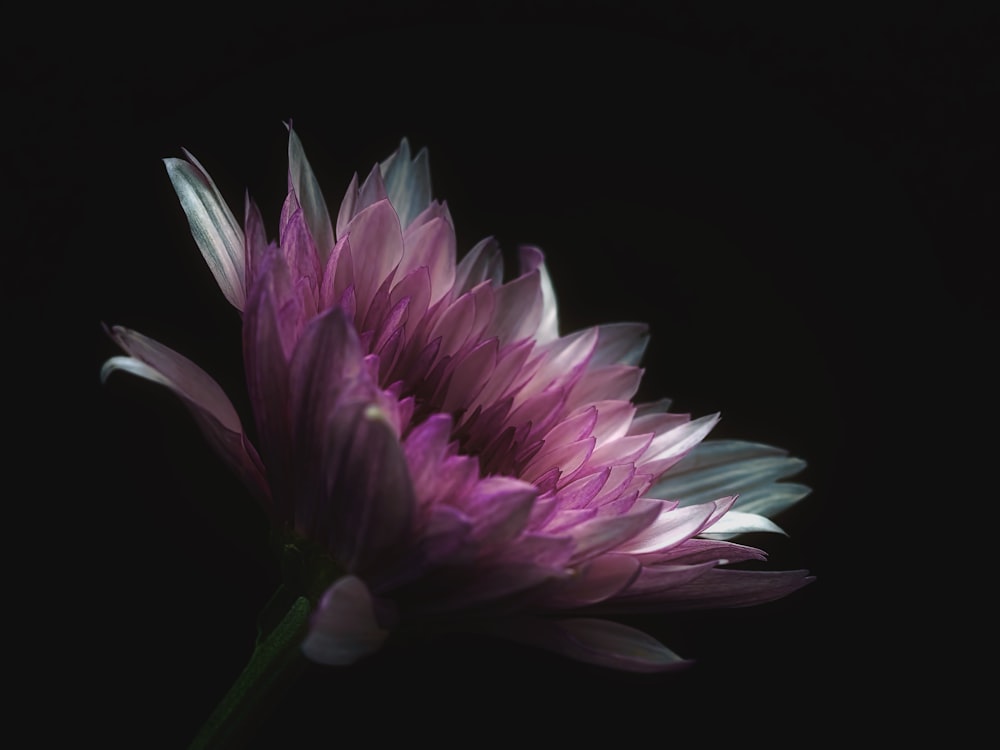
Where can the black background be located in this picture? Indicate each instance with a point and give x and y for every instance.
(801, 204)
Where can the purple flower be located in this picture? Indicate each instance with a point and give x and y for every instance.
(443, 454)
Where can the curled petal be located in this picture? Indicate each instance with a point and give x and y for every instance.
(208, 403)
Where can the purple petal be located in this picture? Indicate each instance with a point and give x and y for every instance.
(376, 247)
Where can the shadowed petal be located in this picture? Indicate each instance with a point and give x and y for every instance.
(722, 587)
(594, 641)
(343, 628)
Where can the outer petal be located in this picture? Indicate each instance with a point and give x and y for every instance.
(594, 641)
(213, 225)
(722, 587)
(343, 627)
(205, 398)
(726, 467)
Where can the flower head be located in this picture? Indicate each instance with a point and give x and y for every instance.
(445, 454)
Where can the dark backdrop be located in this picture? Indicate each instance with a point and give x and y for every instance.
(799, 204)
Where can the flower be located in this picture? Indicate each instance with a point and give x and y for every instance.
(438, 453)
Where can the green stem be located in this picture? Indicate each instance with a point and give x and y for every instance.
(275, 662)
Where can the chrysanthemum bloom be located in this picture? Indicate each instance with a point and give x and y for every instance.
(439, 453)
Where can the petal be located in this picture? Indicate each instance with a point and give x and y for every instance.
(669, 447)
(594, 581)
(604, 533)
(176, 372)
(432, 244)
(302, 181)
(722, 587)
(215, 229)
(407, 182)
(368, 500)
(548, 327)
(208, 403)
(376, 248)
(726, 467)
(654, 580)
(600, 642)
(736, 522)
(483, 262)
(621, 344)
(499, 508)
(343, 628)
(670, 528)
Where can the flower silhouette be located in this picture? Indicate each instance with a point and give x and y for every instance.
(435, 453)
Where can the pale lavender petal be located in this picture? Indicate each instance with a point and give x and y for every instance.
(563, 361)
(303, 182)
(348, 207)
(180, 374)
(737, 522)
(431, 244)
(594, 581)
(669, 447)
(407, 182)
(377, 247)
(655, 580)
(215, 229)
(702, 550)
(621, 344)
(208, 403)
(518, 308)
(343, 628)
(548, 327)
(610, 383)
(610, 532)
(483, 263)
(721, 467)
(670, 528)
